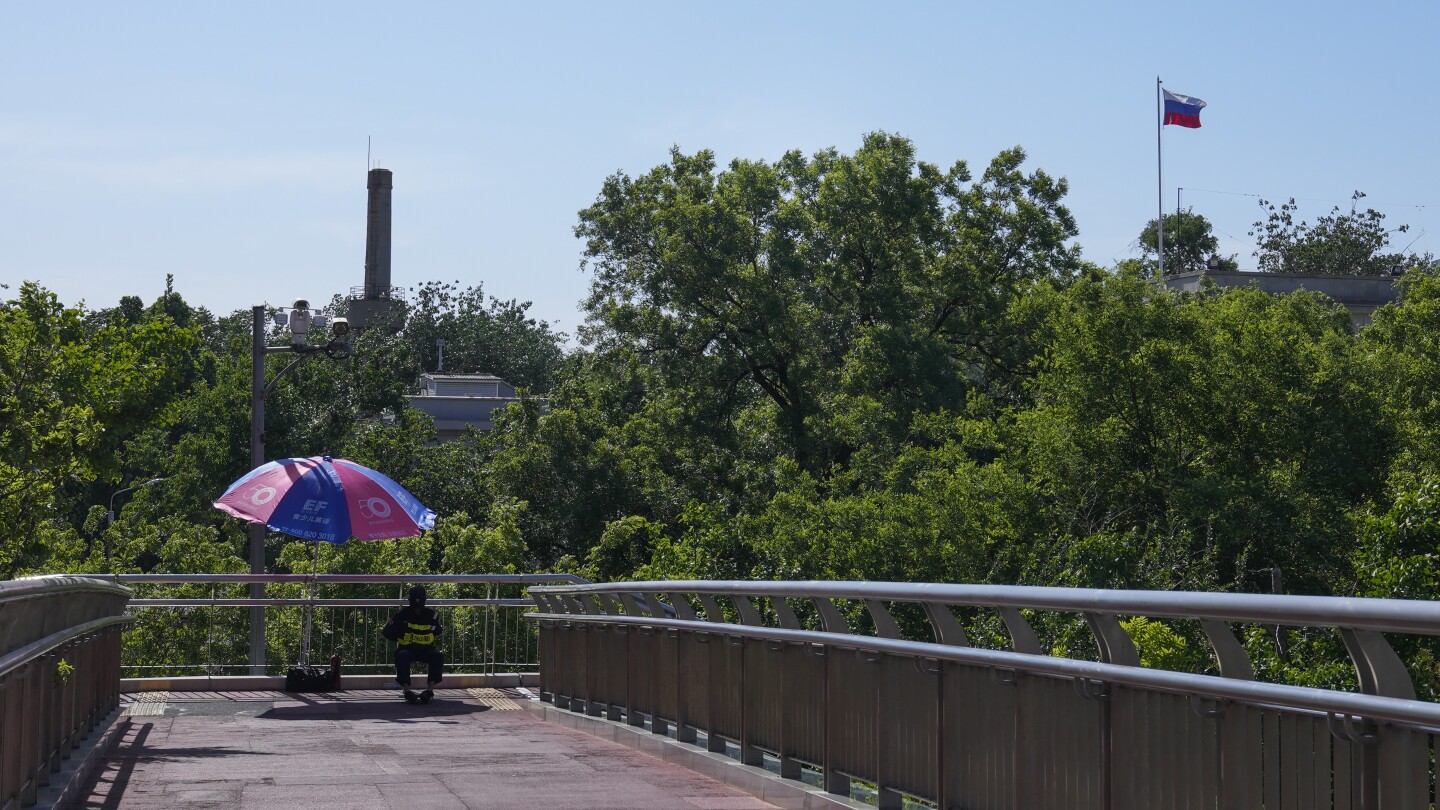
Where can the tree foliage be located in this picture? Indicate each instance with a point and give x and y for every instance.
(855, 366)
(1190, 244)
(1340, 243)
(821, 285)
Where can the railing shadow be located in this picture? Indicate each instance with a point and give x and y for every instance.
(396, 712)
(105, 788)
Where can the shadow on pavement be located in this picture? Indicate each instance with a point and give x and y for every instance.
(106, 785)
(397, 711)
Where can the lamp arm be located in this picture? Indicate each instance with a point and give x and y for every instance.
(113, 495)
(303, 353)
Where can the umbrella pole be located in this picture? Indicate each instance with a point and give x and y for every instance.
(309, 608)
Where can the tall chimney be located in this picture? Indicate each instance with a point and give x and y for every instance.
(377, 235)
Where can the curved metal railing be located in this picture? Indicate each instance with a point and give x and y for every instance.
(1241, 742)
(59, 673)
(483, 634)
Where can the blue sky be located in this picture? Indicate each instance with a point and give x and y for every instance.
(225, 143)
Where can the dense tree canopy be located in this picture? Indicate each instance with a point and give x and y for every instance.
(848, 292)
(858, 366)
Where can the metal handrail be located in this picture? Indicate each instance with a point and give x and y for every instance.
(493, 592)
(1384, 615)
(338, 579)
(276, 602)
(17, 658)
(27, 587)
(1414, 713)
(1386, 689)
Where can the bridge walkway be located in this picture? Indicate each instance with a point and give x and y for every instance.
(467, 750)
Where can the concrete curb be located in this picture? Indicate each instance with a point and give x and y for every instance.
(66, 784)
(758, 782)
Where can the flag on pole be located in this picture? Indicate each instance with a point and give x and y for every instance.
(1183, 111)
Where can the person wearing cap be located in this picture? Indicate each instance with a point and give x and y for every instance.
(414, 628)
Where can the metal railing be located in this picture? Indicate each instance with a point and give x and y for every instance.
(197, 624)
(881, 683)
(379, 291)
(59, 674)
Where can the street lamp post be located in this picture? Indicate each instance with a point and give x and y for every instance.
(299, 321)
(257, 457)
(110, 513)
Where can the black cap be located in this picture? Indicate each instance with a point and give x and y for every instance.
(417, 595)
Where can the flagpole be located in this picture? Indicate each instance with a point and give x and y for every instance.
(1159, 182)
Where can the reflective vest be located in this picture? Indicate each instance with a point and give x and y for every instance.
(413, 633)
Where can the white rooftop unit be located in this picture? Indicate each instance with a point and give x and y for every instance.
(464, 385)
(460, 401)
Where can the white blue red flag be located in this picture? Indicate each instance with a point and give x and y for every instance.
(1182, 111)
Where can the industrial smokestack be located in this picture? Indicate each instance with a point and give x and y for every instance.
(377, 235)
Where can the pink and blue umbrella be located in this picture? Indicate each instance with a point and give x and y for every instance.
(320, 498)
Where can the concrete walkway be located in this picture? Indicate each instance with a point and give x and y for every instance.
(468, 750)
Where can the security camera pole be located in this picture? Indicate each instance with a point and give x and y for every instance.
(300, 319)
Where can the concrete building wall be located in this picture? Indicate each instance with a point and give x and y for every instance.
(1361, 295)
(460, 401)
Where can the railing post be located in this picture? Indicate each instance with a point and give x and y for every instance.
(789, 709)
(749, 754)
(34, 725)
(632, 665)
(1403, 769)
(658, 725)
(837, 781)
(684, 728)
(1025, 765)
(717, 688)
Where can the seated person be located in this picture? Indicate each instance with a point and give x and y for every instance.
(414, 628)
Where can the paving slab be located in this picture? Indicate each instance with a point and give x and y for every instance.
(467, 750)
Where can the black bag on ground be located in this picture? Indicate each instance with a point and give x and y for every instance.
(308, 678)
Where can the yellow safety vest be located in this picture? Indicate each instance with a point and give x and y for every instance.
(417, 634)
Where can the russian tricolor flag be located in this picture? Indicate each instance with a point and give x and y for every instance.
(1183, 111)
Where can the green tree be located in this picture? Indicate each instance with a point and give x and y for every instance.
(820, 290)
(1189, 244)
(1402, 341)
(481, 336)
(69, 397)
(1185, 440)
(1340, 243)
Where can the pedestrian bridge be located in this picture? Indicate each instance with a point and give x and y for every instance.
(754, 694)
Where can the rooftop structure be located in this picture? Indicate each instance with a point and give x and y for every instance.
(460, 401)
(1361, 295)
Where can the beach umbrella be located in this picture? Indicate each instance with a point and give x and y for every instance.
(325, 499)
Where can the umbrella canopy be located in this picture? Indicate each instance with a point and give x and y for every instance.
(320, 498)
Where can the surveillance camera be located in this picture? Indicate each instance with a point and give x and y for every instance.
(339, 326)
(301, 303)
